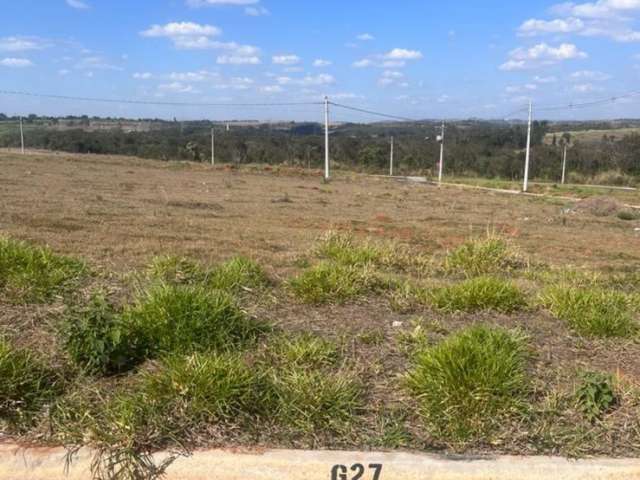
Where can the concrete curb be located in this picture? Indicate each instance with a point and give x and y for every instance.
(18, 463)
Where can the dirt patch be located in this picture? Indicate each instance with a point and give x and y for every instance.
(599, 206)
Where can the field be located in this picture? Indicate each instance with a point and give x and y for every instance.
(593, 136)
(365, 286)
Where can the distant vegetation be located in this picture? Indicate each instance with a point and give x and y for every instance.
(493, 149)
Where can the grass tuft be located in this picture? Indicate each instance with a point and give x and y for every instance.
(333, 282)
(469, 382)
(237, 274)
(485, 256)
(26, 385)
(171, 269)
(477, 294)
(346, 250)
(33, 274)
(187, 319)
(592, 311)
(303, 351)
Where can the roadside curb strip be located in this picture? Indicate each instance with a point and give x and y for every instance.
(19, 463)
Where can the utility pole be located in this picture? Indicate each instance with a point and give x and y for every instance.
(441, 166)
(391, 160)
(326, 138)
(564, 164)
(213, 147)
(528, 155)
(21, 136)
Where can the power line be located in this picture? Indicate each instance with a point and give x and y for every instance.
(150, 102)
(371, 112)
(602, 101)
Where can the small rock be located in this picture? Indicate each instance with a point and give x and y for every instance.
(396, 324)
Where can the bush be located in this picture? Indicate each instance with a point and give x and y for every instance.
(237, 273)
(591, 311)
(187, 319)
(467, 384)
(332, 282)
(483, 256)
(628, 215)
(26, 385)
(476, 294)
(34, 274)
(100, 341)
(595, 395)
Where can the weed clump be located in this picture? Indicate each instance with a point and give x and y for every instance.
(346, 250)
(592, 311)
(470, 382)
(172, 270)
(333, 282)
(303, 351)
(595, 395)
(490, 255)
(100, 341)
(477, 294)
(26, 385)
(33, 274)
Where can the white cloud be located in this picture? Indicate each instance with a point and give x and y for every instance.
(200, 76)
(22, 44)
(403, 54)
(590, 75)
(96, 63)
(534, 27)
(603, 18)
(521, 88)
(396, 58)
(391, 77)
(238, 60)
(78, 4)
(271, 89)
(586, 88)
(285, 59)
(443, 99)
(177, 87)
(258, 11)
(309, 80)
(550, 79)
(181, 29)
(63, 72)
(16, 63)
(143, 76)
(365, 37)
(541, 55)
(319, 63)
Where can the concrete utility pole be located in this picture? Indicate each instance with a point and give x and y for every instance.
(441, 166)
(564, 164)
(391, 160)
(528, 156)
(21, 136)
(213, 147)
(326, 138)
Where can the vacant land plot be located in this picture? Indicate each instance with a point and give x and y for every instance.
(152, 305)
(591, 136)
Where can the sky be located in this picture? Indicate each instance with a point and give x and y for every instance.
(413, 58)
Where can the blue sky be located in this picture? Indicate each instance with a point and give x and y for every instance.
(413, 58)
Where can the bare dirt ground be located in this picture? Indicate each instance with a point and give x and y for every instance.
(120, 211)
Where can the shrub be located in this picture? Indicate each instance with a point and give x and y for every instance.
(476, 294)
(186, 319)
(628, 215)
(303, 351)
(34, 274)
(237, 273)
(468, 383)
(591, 311)
(595, 395)
(311, 401)
(332, 282)
(100, 341)
(26, 385)
(483, 256)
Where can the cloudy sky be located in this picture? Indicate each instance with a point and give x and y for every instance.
(413, 58)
